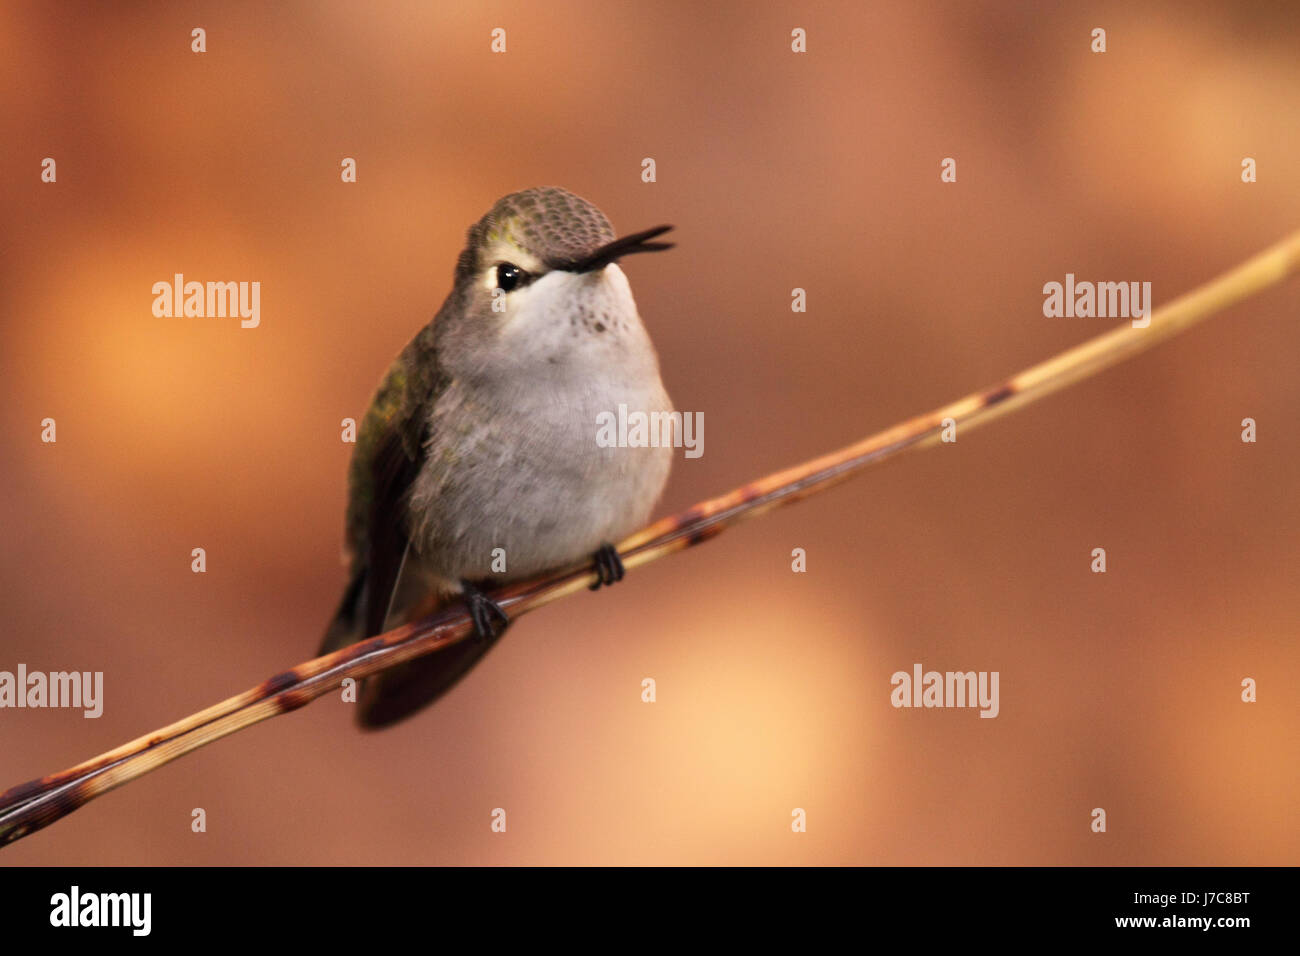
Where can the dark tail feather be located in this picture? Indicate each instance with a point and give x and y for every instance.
(399, 692)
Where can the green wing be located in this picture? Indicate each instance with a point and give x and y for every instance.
(384, 465)
(389, 450)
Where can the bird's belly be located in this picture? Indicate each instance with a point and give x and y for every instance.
(514, 491)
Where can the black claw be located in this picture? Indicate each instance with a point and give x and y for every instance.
(608, 565)
(489, 619)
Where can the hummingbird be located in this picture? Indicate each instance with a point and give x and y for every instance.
(477, 462)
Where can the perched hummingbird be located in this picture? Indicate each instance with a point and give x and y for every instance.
(482, 436)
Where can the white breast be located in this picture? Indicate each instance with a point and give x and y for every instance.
(513, 461)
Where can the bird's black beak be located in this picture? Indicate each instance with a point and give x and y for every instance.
(613, 251)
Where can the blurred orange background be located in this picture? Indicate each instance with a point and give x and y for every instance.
(818, 171)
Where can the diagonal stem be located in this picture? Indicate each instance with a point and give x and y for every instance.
(38, 803)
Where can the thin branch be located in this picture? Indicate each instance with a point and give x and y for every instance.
(31, 806)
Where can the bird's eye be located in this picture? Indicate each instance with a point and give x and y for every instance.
(510, 277)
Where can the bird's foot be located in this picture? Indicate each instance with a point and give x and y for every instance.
(608, 565)
(489, 619)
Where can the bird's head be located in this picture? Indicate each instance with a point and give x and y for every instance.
(537, 281)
